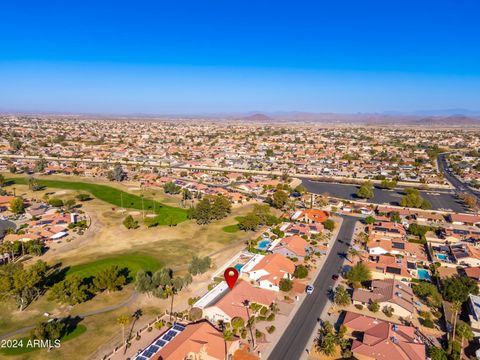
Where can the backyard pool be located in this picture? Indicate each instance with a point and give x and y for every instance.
(442, 257)
(423, 274)
(238, 267)
(263, 245)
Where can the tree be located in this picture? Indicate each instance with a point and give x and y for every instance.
(358, 274)
(40, 166)
(17, 206)
(457, 288)
(52, 330)
(130, 223)
(71, 291)
(428, 293)
(365, 191)
(22, 285)
(301, 272)
(143, 282)
(388, 184)
(300, 189)
(199, 265)
(342, 297)
(353, 253)
(464, 331)
(369, 220)
(279, 199)
(117, 174)
(69, 204)
(326, 342)
(83, 197)
(123, 321)
(2, 180)
(395, 217)
(412, 198)
(109, 279)
(374, 306)
(388, 311)
(55, 202)
(171, 188)
(285, 285)
(249, 222)
(437, 353)
(329, 224)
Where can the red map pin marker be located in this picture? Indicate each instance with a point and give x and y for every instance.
(231, 276)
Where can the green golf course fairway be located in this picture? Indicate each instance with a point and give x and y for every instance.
(134, 263)
(166, 214)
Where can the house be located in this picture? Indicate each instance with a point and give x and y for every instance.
(303, 229)
(464, 219)
(388, 292)
(311, 216)
(465, 254)
(293, 246)
(231, 305)
(387, 228)
(474, 313)
(384, 266)
(473, 273)
(377, 339)
(268, 272)
(200, 340)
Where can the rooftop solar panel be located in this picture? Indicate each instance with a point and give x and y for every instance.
(179, 327)
(167, 337)
(160, 343)
(172, 333)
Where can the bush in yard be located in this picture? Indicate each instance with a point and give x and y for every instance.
(271, 329)
(329, 225)
(286, 285)
(359, 306)
(388, 311)
(301, 272)
(374, 306)
(271, 317)
(130, 222)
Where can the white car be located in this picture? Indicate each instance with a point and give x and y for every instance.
(309, 289)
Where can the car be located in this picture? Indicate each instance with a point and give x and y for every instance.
(335, 277)
(309, 289)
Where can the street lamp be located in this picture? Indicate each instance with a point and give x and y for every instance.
(246, 303)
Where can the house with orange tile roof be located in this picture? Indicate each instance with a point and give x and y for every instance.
(200, 340)
(376, 339)
(293, 246)
(231, 305)
(268, 272)
(383, 267)
(465, 254)
(311, 216)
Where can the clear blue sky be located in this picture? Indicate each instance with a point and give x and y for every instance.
(218, 56)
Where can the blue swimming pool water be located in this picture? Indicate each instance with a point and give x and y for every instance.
(238, 267)
(442, 256)
(263, 245)
(423, 274)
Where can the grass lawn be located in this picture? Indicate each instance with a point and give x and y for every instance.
(232, 228)
(24, 348)
(133, 262)
(114, 196)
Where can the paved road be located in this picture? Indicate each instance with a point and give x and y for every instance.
(456, 182)
(4, 225)
(293, 343)
(440, 199)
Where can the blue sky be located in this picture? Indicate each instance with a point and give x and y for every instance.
(233, 56)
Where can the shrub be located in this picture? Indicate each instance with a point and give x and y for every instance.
(286, 285)
(271, 329)
(271, 317)
(301, 272)
(258, 333)
(428, 323)
(359, 306)
(374, 307)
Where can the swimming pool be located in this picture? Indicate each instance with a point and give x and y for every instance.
(238, 267)
(263, 245)
(423, 274)
(442, 257)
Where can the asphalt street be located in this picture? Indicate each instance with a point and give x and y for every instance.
(459, 185)
(440, 199)
(294, 340)
(4, 225)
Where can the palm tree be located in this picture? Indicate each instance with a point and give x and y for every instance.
(352, 252)
(455, 307)
(123, 320)
(246, 303)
